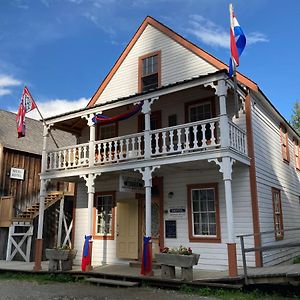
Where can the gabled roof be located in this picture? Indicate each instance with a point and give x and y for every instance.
(33, 141)
(179, 39)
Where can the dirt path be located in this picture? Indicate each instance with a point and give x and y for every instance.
(20, 290)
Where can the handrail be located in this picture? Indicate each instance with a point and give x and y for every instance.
(263, 248)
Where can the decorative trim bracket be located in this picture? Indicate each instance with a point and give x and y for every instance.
(90, 181)
(225, 166)
(89, 118)
(147, 174)
(147, 105)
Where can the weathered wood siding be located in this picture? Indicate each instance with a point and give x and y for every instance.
(272, 171)
(178, 63)
(212, 255)
(25, 192)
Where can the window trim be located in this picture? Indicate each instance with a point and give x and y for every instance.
(296, 154)
(209, 239)
(199, 101)
(140, 68)
(97, 236)
(284, 146)
(277, 237)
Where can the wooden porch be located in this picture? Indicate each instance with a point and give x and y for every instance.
(285, 274)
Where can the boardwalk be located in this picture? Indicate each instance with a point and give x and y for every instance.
(271, 275)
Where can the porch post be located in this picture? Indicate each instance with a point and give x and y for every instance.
(146, 110)
(147, 257)
(226, 169)
(39, 239)
(221, 92)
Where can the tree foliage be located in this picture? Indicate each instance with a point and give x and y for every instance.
(295, 119)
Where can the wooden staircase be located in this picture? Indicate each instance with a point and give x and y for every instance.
(33, 211)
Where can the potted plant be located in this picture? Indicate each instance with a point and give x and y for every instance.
(182, 257)
(60, 258)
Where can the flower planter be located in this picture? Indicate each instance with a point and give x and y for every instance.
(170, 261)
(60, 259)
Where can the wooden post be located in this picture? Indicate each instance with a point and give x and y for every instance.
(60, 221)
(244, 259)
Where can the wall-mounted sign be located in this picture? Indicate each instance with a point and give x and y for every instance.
(131, 184)
(177, 211)
(170, 229)
(16, 173)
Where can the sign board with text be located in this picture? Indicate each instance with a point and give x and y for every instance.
(16, 173)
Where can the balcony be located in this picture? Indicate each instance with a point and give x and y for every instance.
(196, 137)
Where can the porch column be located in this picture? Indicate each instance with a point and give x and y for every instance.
(92, 138)
(39, 239)
(146, 110)
(226, 169)
(147, 178)
(221, 92)
(90, 184)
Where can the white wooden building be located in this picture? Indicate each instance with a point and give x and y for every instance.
(192, 168)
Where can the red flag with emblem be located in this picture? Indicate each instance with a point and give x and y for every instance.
(27, 104)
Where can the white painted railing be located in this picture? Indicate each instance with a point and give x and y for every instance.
(186, 137)
(237, 138)
(68, 157)
(119, 148)
(190, 137)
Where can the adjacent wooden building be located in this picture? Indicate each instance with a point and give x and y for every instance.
(20, 167)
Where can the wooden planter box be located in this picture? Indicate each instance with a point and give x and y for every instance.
(170, 261)
(60, 259)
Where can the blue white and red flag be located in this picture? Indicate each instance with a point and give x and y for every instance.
(237, 42)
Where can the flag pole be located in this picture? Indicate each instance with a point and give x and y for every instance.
(235, 87)
(43, 120)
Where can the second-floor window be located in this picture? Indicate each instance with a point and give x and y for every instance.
(149, 71)
(107, 131)
(284, 143)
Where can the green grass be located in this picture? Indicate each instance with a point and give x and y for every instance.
(43, 278)
(227, 294)
(296, 260)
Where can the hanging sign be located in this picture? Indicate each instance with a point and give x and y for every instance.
(16, 173)
(131, 184)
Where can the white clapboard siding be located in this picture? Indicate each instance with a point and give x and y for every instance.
(177, 62)
(271, 171)
(212, 255)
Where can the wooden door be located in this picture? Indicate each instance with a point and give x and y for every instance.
(127, 229)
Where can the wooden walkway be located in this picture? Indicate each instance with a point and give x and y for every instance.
(285, 274)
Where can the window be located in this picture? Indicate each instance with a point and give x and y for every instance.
(284, 143)
(104, 216)
(203, 209)
(296, 152)
(197, 111)
(108, 131)
(277, 211)
(149, 71)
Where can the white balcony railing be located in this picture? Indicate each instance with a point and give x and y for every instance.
(190, 137)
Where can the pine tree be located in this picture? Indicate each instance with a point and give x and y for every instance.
(295, 119)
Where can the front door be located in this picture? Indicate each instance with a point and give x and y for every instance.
(127, 229)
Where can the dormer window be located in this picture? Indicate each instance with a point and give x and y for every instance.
(149, 71)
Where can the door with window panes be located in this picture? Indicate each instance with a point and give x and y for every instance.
(198, 111)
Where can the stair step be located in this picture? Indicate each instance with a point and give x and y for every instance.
(138, 264)
(112, 282)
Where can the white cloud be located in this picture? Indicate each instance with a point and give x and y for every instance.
(6, 83)
(216, 36)
(54, 107)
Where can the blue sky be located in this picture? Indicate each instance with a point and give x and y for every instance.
(62, 49)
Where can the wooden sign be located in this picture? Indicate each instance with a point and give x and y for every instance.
(16, 173)
(132, 184)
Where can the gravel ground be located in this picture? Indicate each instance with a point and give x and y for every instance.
(17, 290)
